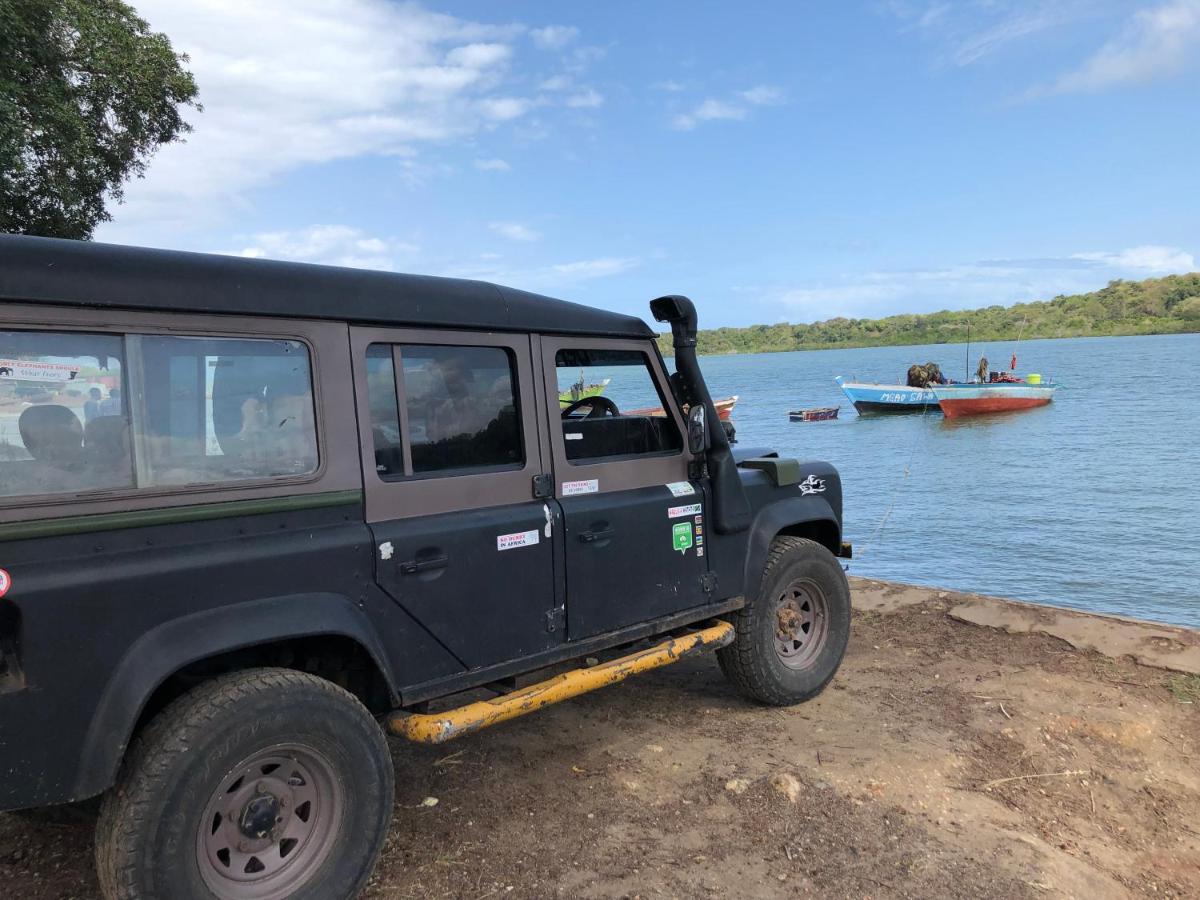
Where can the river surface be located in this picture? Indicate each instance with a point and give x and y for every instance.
(1091, 502)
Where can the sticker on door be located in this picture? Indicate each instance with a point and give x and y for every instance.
(681, 537)
(571, 488)
(519, 539)
(677, 512)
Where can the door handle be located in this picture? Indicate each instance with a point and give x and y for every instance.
(588, 537)
(412, 567)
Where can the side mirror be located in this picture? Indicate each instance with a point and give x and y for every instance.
(697, 426)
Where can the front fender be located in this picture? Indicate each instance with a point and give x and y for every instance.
(792, 515)
(165, 649)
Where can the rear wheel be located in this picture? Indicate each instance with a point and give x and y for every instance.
(792, 636)
(260, 785)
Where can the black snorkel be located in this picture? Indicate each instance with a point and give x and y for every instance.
(731, 509)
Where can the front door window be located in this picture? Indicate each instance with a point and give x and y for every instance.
(610, 407)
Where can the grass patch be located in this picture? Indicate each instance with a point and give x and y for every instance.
(1184, 688)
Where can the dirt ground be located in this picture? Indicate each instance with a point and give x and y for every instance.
(968, 748)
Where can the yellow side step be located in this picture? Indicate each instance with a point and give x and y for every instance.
(440, 727)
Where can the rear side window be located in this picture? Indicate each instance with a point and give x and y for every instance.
(222, 409)
(453, 409)
(611, 407)
(64, 420)
(89, 412)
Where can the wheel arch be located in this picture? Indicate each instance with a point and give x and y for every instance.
(808, 517)
(156, 667)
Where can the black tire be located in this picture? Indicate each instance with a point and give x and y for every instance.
(755, 662)
(153, 840)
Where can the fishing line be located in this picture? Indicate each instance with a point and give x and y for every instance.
(912, 454)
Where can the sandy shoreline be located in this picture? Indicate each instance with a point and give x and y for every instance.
(969, 747)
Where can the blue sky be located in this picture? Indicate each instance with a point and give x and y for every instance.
(775, 161)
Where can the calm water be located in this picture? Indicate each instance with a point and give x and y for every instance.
(1091, 502)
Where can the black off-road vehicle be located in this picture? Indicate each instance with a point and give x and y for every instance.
(253, 515)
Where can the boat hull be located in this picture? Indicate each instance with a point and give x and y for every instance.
(980, 399)
(887, 398)
(723, 406)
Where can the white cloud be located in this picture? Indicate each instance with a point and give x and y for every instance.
(976, 46)
(478, 56)
(587, 99)
(671, 87)
(763, 95)
(502, 109)
(594, 268)
(554, 37)
(289, 83)
(1148, 258)
(713, 109)
(339, 245)
(970, 32)
(1155, 42)
(514, 231)
(492, 165)
(708, 111)
(556, 83)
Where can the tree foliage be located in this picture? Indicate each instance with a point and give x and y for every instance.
(1154, 306)
(87, 93)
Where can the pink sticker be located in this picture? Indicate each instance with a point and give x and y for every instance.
(5, 582)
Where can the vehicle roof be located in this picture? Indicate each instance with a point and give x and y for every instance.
(87, 274)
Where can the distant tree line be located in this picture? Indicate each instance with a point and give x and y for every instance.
(1167, 305)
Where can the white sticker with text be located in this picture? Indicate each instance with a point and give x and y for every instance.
(676, 512)
(520, 539)
(571, 488)
(27, 370)
(681, 488)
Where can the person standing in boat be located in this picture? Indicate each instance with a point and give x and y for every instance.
(983, 369)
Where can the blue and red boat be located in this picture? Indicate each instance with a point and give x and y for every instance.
(887, 398)
(958, 400)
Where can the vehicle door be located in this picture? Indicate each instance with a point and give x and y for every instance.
(634, 524)
(451, 449)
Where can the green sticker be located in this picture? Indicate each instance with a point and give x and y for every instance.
(681, 536)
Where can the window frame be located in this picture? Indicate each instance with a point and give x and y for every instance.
(324, 343)
(430, 493)
(617, 473)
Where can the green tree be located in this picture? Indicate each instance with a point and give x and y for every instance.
(1189, 309)
(87, 94)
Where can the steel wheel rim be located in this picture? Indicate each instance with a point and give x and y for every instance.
(801, 623)
(269, 824)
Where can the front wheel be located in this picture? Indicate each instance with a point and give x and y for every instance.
(792, 636)
(259, 785)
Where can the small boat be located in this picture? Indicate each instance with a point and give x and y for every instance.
(816, 414)
(579, 391)
(886, 398)
(989, 397)
(724, 409)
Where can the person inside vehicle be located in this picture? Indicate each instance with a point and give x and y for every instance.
(91, 407)
(112, 406)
